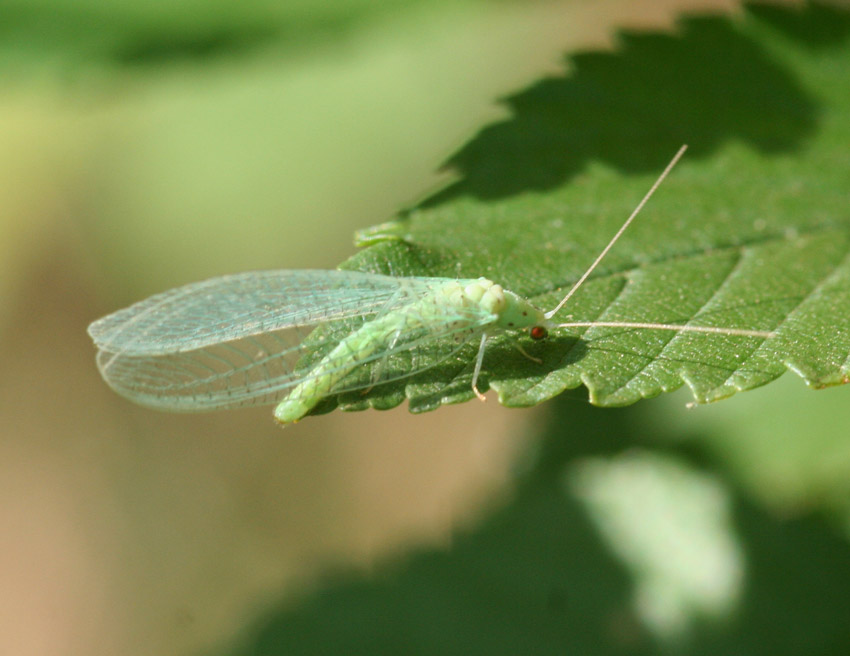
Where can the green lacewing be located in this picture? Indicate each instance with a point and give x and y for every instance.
(240, 340)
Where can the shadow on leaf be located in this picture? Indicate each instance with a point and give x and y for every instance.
(706, 84)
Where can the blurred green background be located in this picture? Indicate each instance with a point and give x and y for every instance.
(144, 146)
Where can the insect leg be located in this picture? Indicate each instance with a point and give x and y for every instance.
(378, 371)
(478, 361)
(526, 354)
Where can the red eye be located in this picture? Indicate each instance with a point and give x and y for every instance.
(538, 332)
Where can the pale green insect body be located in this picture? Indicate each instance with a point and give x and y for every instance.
(461, 308)
(239, 340)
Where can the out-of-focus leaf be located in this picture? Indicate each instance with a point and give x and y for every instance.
(59, 34)
(538, 577)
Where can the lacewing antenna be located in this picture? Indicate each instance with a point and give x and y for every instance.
(640, 325)
(668, 326)
(620, 232)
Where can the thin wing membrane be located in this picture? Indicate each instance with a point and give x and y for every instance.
(258, 367)
(241, 305)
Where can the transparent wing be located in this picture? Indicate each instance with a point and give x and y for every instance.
(259, 367)
(241, 305)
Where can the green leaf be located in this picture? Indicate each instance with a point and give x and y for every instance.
(751, 231)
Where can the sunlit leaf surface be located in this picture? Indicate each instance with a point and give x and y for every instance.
(752, 230)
